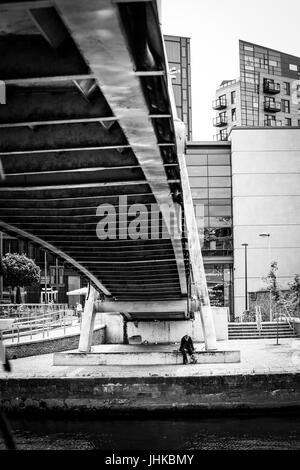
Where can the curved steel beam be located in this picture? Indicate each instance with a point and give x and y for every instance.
(57, 252)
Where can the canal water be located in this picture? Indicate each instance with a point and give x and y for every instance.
(181, 434)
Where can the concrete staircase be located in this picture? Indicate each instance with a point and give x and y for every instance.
(269, 330)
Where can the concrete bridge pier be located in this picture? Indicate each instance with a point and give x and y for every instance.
(88, 320)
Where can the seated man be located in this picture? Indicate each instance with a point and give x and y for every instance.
(187, 347)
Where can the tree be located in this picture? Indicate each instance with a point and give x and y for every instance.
(273, 286)
(295, 294)
(19, 271)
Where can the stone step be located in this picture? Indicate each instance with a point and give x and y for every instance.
(150, 357)
(268, 330)
(264, 335)
(240, 325)
(255, 329)
(259, 337)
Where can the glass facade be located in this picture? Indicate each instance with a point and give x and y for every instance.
(178, 54)
(209, 169)
(219, 283)
(266, 79)
(265, 93)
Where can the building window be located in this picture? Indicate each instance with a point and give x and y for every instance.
(273, 63)
(270, 120)
(233, 114)
(286, 88)
(293, 68)
(222, 99)
(288, 122)
(285, 106)
(233, 97)
(223, 134)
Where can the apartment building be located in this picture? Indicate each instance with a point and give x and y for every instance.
(179, 58)
(265, 95)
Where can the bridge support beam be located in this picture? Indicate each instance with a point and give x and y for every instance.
(198, 273)
(88, 320)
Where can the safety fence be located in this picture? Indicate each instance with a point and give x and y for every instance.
(21, 310)
(27, 325)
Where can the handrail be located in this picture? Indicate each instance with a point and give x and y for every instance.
(29, 326)
(26, 319)
(286, 314)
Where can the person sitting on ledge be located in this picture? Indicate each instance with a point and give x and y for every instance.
(187, 348)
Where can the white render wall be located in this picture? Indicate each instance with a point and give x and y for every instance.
(163, 331)
(266, 199)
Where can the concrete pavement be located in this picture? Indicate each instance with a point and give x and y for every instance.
(257, 357)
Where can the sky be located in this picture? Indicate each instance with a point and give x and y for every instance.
(215, 27)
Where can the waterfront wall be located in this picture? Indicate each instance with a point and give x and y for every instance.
(163, 331)
(269, 391)
(51, 345)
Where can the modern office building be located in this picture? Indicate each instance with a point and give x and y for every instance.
(209, 169)
(179, 59)
(265, 94)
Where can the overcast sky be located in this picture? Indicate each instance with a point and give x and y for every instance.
(215, 26)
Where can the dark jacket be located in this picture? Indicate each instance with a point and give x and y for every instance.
(186, 344)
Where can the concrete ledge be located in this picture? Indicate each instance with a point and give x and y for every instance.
(120, 358)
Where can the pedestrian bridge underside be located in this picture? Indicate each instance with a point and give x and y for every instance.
(88, 131)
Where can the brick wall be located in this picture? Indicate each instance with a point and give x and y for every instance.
(50, 345)
(239, 392)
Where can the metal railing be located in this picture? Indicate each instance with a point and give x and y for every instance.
(274, 106)
(284, 313)
(271, 87)
(220, 103)
(41, 323)
(220, 121)
(20, 310)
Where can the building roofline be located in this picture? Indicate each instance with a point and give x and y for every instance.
(265, 128)
(269, 48)
(209, 143)
(175, 36)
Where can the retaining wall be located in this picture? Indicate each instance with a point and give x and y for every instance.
(51, 345)
(241, 392)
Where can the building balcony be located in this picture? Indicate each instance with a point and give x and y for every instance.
(220, 103)
(272, 106)
(271, 87)
(220, 121)
(221, 137)
(272, 123)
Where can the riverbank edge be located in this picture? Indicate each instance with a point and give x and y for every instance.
(151, 394)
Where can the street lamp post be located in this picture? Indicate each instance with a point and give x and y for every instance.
(268, 236)
(245, 245)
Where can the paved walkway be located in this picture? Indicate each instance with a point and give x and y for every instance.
(257, 357)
